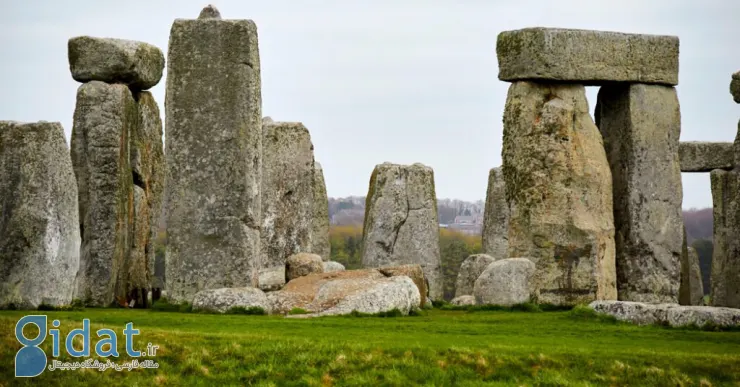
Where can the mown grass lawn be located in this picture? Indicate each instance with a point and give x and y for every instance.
(438, 348)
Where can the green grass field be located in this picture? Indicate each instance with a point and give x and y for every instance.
(439, 348)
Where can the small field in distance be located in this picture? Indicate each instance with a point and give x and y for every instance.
(438, 348)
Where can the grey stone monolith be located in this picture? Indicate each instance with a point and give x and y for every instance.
(213, 156)
(496, 216)
(641, 125)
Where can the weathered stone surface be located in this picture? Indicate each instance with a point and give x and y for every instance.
(302, 264)
(463, 301)
(586, 57)
(668, 314)
(559, 189)
(401, 223)
(331, 266)
(136, 64)
(641, 125)
(735, 87)
(104, 117)
(221, 300)
(213, 153)
(634, 312)
(287, 192)
(39, 226)
(470, 270)
(725, 278)
(415, 272)
(209, 12)
(135, 271)
(147, 165)
(272, 278)
(691, 291)
(366, 291)
(505, 282)
(496, 216)
(320, 232)
(705, 156)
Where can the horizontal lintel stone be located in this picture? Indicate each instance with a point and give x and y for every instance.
(587, 57)
(698, 156)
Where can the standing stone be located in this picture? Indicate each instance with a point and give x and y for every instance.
(287, 192)
(39, 226)
(735, 87)
(496, 217)
(559, 189)
(213, 151)
(136, 64)
(470, 270)
(401, 222)
(691, 291)
(135, 271)
(147, 166)
(641, 125)
(320, 232)
(104, 117)
(586, 57)
(725, 278)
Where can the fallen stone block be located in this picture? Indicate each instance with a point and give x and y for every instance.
(463, 300)
(705, 156)
(470, 270)
(136, 64)
(302, 264)
(505, 282)
(673, 315)
(331, 266)
(586, 57)
(222, 300)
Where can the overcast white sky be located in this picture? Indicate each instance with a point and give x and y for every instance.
(382, 80)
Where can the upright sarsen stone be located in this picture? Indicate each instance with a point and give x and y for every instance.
(147, 168)
(320, 233)
(39, 227)
(104, 117)
(725, 278)
(558, 185)
(287, 192)
(401, 222)
(213, 153)
(641, 125)
(496, 217)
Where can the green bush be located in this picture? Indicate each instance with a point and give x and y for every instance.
(163, 305)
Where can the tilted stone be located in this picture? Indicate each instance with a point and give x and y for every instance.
(320, 232)
(641, 125)
(147, 166)
(415, 272)
(725, 277)
(586, 57)
(287, 192)
(401, 223)
(136, 64)
(559, 189)
(39, 226)
(496, 216)
(302, 264)
(705, 156)
(470, 270)
(735, 87)
(691, 291)
(213, 156)
(104, 116)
